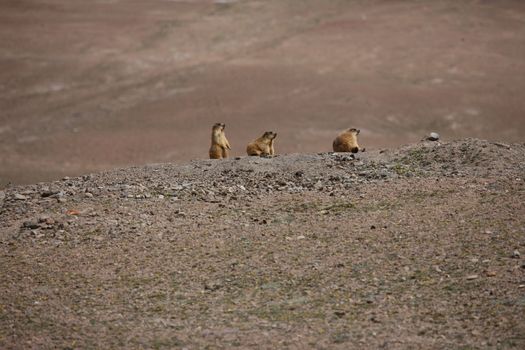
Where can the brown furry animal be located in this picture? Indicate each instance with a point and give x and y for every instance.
(347, 141)
(263, 146)
(219, 143)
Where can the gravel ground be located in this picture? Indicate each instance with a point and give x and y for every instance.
(417, 247)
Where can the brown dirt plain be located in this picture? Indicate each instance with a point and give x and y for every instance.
(92, 85)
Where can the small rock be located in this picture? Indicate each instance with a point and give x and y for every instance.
(20, 197)
(48, 193)
(516, 254)
(212, 286)
(31, 225)
(88, 195)
(46, 220)
(472, 277)
(180, 214)
(339, 313)
(504, 145)
(433, 136)
(490, 273)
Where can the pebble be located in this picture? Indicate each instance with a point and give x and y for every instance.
(31, 225)
(46, 219)
(472, 277)
(88, 195)
(433, 136)
(48, 193)
(516, 254)
(339, 313)
(212, 286)
(20, 197)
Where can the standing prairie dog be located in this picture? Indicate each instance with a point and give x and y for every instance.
(263, 146)
(347, 141)
(219, 143)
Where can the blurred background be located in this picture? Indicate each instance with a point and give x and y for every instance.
(101, 84)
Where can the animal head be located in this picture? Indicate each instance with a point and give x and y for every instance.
(353, 131)
(218, 127)
(270, 135)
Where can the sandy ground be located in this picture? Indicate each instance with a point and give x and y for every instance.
(420, 247)
(86, 86)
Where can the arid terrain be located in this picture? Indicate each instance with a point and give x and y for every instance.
(116, 232)
(93, 85)
(419, 247)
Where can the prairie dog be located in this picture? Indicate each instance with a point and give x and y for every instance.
(347, 141)
(219, 143)
(263, 146)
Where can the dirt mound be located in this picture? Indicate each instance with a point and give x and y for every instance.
(420, 246)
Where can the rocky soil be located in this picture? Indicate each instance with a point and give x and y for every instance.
(417, 247)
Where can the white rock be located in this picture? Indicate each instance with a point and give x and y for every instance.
(433, 136)
(20, 197)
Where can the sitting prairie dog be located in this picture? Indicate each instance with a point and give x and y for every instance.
(347, 141)
(263, 146)
(219, 143)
